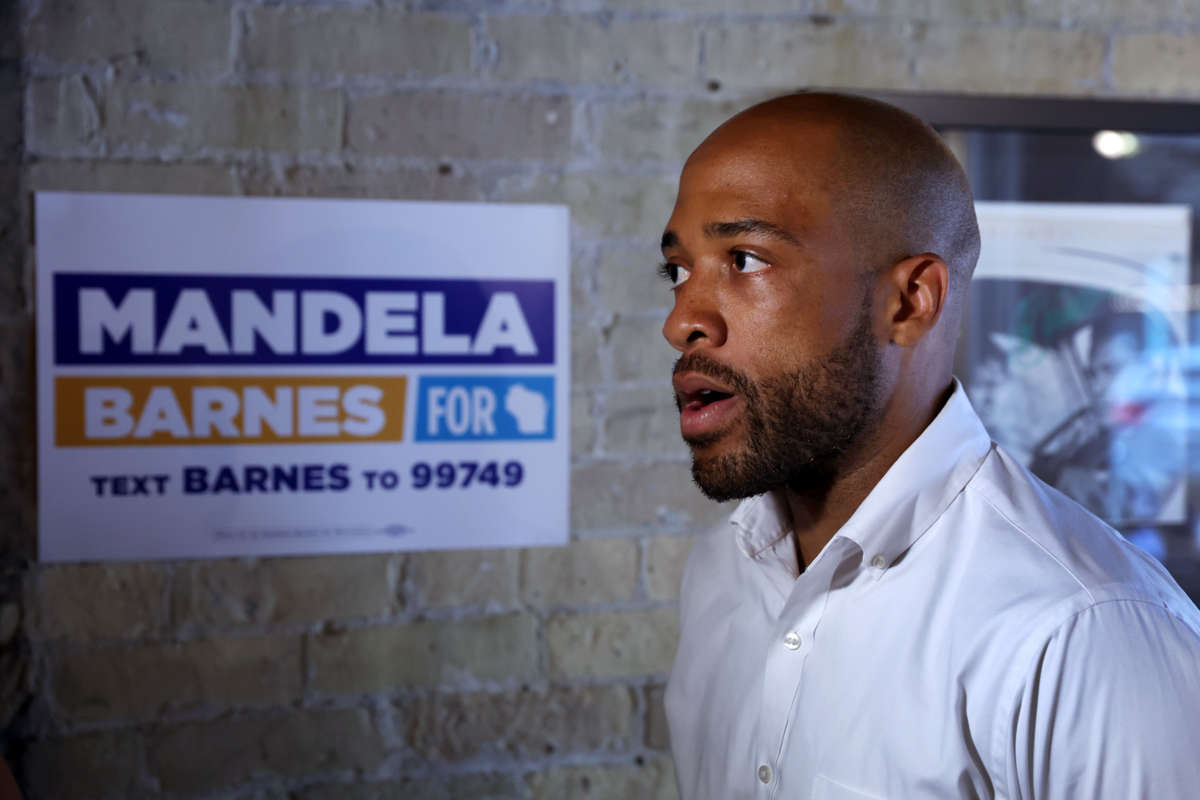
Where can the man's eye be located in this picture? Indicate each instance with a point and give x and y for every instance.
(673, 273)
(746, 262)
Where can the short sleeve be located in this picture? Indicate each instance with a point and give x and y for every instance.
(1110, 708)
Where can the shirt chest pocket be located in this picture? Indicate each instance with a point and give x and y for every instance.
(828, 789)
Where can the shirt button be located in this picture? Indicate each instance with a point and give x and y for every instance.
(764, 773)
(878, 562)
(791, 640)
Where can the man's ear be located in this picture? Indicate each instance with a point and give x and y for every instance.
(917, 288)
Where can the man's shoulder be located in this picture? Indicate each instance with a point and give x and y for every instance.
(1051, 550)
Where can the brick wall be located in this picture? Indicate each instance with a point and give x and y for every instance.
(531, 674)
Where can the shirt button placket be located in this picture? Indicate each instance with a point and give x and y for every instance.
(791, 640)
(764, 773)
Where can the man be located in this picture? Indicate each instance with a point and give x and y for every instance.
(897, 608)
(1130, 457)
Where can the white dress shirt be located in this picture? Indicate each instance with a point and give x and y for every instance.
(969, 632)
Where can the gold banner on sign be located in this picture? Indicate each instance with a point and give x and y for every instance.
(126, 410)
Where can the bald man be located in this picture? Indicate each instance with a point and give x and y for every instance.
(897, 609)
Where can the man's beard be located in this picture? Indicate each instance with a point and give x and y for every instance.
(798, 426)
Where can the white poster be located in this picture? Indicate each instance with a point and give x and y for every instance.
(248, 376)
(1077, 351)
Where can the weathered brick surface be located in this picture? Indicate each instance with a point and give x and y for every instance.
(14, 280)
(10, 622)
(587, 355)
(63, 117)
(475, 786)
(16, 669)
(583, 423)
(273, 793)
(1008, 60)
(188, 119)
(159, 35)
(1157, 64)
(665, 559)
(526, 724)
(588, 572)
(657, 131)
(985, 11)
(643, 421)
(461, 125)
(614, 496)
(11, 204)
(100, 765)
(203, 756)
(12, 109)
(144, 681)
(377, 42)
(657, 735)
(698, 6)
(1109, 13)
(612, 644)
(234, 592)
(594, 50)
(628, 206)
(583, 304)
(640, 354)
(653, 779)
(82, 602)
(11, 38)
(17, 425)
(627, 279)
(429, 653)
(788, 56)
(140, 177)
(465, 578)
(348, 180)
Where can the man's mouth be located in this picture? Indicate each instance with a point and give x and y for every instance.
(705, 397)
(705, 405)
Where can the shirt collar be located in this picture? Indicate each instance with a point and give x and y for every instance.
(913, 493)
(761, 521)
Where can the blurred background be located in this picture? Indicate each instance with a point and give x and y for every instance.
(535, 674)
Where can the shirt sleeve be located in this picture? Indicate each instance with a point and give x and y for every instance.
(1110, 708)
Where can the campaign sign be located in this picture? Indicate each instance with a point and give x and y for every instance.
(249, 376)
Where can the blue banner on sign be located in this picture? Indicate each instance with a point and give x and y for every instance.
(473, 408)
(142, 319)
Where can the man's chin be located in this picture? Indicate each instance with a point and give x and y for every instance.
(722, 473)
(719, 488)
(713, 443)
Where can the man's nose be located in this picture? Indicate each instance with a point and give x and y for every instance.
(696, 319)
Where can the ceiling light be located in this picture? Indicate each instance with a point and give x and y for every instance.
(1116, 144)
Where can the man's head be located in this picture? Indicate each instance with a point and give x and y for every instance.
(1131, 361)
(820, 248)
(1117, 342)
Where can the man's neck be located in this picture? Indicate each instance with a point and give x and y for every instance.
(817, 516)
